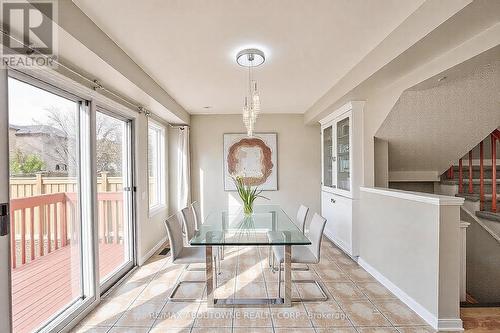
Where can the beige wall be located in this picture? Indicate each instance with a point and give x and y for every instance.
(150, 229)
(381, 171)
(410, 242)
(299, 168)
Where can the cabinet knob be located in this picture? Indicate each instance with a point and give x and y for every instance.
(332, 200)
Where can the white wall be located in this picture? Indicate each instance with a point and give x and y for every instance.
(299, 168)
(381, 162)
(151, 229)
(410, 242)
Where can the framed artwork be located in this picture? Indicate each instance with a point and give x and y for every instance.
(253, 158)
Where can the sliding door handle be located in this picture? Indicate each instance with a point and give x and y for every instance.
(4, 219)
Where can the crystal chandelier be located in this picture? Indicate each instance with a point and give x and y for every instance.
(251, 58)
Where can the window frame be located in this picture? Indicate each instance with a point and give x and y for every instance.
(85, 200)
(161, 167)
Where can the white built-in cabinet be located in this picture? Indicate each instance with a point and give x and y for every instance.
(342, 173)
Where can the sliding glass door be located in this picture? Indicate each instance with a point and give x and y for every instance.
(114, 196)
(70, 203)
(45, 204)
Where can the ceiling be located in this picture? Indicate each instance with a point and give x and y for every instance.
(188, 47)
(437, 122)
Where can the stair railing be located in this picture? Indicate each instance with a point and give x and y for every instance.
(494, 137)
(481, 176)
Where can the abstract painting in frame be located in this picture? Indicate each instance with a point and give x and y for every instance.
(253, 158)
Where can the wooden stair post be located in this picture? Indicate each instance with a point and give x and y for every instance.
(494, 173)
(481, 176)
(460, 177)
(471, 188)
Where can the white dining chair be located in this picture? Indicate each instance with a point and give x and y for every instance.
(305, 254)
(301, 217)
(198, 219)
(189, 222)
(300, 222)
(184, 255)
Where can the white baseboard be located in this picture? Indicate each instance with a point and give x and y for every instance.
(450, 325)
(152, 251)
(404, 297)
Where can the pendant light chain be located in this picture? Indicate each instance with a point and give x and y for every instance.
(251, 58)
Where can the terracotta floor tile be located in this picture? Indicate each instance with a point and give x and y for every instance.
(129, 330)
(375, 290)
(311, 291)
(332, 275)
(90, 329)
(336, 330)
(250, 290)
(253, 330)
(358, 274)
(398, 313)
(155, 290)
(177, 314)
(192, 276)
(189, 290)
(344, 291)
(252, 317)
(376, 330)
(245, 271)
(296, 316)
(417, 329)
(364, 313)
(305, 275)
(170, 330)
(140, 314)
(106, 314)
(211, 330)
(294, 330)
(327, 314)
(213, 317)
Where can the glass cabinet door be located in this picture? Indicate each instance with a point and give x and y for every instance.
(328, 156)
(343, 154)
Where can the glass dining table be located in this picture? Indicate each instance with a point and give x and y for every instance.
(269, 225)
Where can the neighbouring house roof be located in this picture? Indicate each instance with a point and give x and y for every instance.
(37, 130)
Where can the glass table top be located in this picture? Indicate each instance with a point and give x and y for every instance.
(268, 225)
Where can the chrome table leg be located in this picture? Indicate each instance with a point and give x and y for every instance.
(288, 276)
(209, 275)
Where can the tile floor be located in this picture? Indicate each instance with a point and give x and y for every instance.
(356, 302)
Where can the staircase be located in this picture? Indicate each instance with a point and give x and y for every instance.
(477, 179)
(474, 177)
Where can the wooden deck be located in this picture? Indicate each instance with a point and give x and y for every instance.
(47, 285)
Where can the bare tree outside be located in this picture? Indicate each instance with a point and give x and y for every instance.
(61, 124)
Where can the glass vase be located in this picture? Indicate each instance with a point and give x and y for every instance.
(248, 208)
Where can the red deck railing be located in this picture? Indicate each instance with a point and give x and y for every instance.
(43, 223)
(494, 137)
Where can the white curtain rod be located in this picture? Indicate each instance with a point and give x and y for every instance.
(95, 84)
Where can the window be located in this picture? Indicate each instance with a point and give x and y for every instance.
(156, 166)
